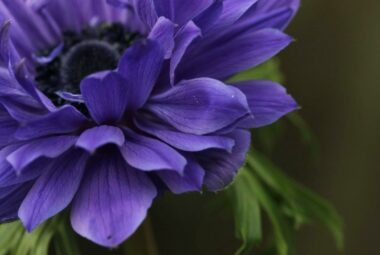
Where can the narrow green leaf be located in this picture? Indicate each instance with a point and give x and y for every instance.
(64, 242)
(247, 213)
(282, 230)
(16, 241)
(304, 205)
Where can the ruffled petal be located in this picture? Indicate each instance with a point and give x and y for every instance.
(200, 106)
(191, 180)
(221, 167)
(184, 141)
(106, 96)
(9, 176)
(113, 200)
(140, 66)
(8, 127)
(183, 40)
(181, 11)
(65, 120)
(163, 32)
(94, 138)
(11, 200)
(230, 55)
(149, 154)
(210, 16)
(268, 102)
(49, 147)
(270, 6)
(54, 190)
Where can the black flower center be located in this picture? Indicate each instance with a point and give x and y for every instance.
(86, 58)
(94, 49)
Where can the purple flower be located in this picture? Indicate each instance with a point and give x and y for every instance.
(104, 103)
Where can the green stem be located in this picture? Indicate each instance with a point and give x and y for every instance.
(152, 248)
(143, 242)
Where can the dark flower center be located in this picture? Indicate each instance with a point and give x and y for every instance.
(86, 58)
(94, 49)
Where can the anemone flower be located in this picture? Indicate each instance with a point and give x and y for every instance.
(104, 104)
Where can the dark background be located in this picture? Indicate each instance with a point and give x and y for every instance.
(333, 70)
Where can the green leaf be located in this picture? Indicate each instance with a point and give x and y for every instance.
(16, 241)
(247, 213)
(282, 231)
(269, 70)
(65, 243)
(303, 205)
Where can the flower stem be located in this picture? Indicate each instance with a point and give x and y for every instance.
(143, 242)
(149, 237)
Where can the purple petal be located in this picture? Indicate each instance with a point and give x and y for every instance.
(221, 167)
(65, 120)
(209, 17)
(22, 107)
(228, 56)
(106, 98)
(268, 6)
(149, 154)
(10, 203)
(94, 138)
(200, 106)
(55, 53)
(183, 40)
(191, 180)
(50, 147)
(112, 202)
(183, 141)
(232, 11)
(75, 98)
(8, 127)
(268, 102)
(277, 18)
(8, 175)
(140, 66)
(54, 190)
(146, 12)
(181, 11)
(163, 32)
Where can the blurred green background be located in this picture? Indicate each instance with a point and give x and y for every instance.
(333, 70)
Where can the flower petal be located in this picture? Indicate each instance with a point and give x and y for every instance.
(163, 32)
(191, 180)
(50, 147)
(200, 106)
(183, 141)
(94, 138)
(183, 40)
(9, 177)
(54, 190)
(8, 127)
(65, 120)
(181, 11)
(149, 154)
(105, 97)
(141, 66)
(268, 102)
(230, 55)
(11, 201)
(221, 167)
(112, 202)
